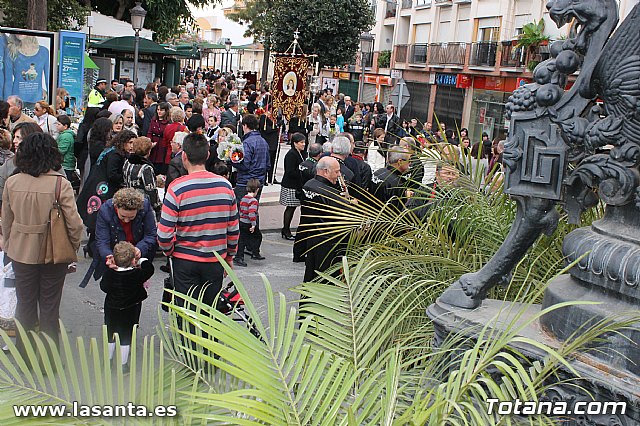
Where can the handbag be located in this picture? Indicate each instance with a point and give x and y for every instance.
(57, 238)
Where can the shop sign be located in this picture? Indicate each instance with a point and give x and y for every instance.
(397, 74)
(493, 83)
(464, 81)
(341, 75)
(521, 81)
(446, 79)
(377, 79)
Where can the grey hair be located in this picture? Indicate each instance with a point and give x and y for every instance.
(115, 117)
(325, 163)
(170, 96)
(397, 153)
(233, 102)
(341, 145)
(326, 147)
(127, 96)
(16, 100)
(314, 149)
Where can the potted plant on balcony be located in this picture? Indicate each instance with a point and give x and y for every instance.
(531, 38)
(384, 59)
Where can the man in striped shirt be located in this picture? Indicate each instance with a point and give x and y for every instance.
(199, 217)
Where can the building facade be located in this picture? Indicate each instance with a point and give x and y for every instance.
(458, 58)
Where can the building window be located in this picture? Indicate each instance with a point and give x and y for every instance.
(423, 2)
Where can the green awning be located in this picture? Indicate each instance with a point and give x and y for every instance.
(127, 44)
(88, 62)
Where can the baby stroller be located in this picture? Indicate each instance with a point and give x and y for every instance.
(229, 302)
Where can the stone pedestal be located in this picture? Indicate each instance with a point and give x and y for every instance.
(601, 381)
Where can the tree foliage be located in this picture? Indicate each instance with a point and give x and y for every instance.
(259, 18)
(331, 28)
(61, 14)
(167, 18)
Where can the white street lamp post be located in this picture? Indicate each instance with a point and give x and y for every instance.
(137, 22)
(227, 47)
(366, 44)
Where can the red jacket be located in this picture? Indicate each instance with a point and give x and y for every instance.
(156, 134)
(167, 137)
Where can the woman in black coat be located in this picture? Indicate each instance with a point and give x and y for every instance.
(292, 182)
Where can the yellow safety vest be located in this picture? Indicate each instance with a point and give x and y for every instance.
(96, 100)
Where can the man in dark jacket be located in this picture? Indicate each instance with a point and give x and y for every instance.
(150, 105)
(318, 194)
(231, 117)
(270, 132)
(255, 162)
(391, 125)
(307, 172)
(389, 184)
(308, 166)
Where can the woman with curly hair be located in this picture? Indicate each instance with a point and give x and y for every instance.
(139, 174)
(27, 200)
(177, 116)
(115, 154)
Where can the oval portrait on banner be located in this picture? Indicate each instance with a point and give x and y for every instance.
(289, 83)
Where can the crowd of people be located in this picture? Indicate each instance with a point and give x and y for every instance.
(144, 173)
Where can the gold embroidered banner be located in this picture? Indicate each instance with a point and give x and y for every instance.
(289, 84)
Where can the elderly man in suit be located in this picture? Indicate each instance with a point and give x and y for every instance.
(231, 117)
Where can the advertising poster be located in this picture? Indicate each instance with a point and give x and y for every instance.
(289, 85)
(71, 65)
(331, 84)
(26, 62)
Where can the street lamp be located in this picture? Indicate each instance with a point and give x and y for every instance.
(90, 24)
(137, 22)
(227, 47)
(366, 44)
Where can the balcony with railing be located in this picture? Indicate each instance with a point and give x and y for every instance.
(407, 4)
(447, 54)
(401, 53)
(520, 57)
(512, 56)
(390, 12)
(418, 54)
(483, 54)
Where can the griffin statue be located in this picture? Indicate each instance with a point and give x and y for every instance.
(575, 147)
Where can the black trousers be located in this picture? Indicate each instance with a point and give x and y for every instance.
(122, 321)
(38, 292)
(272, 169)
(248, 239)
(198, 278)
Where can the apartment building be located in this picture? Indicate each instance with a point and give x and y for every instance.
(458, 58)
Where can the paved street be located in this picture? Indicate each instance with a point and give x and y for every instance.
(81, 309)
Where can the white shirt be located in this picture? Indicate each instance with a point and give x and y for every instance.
(48, 124)
(386, 125)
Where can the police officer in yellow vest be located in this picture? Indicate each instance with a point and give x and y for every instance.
(98, 95)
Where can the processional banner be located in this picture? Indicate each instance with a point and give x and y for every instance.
(289, 85)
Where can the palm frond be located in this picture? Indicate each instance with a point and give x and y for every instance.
(80, 371)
